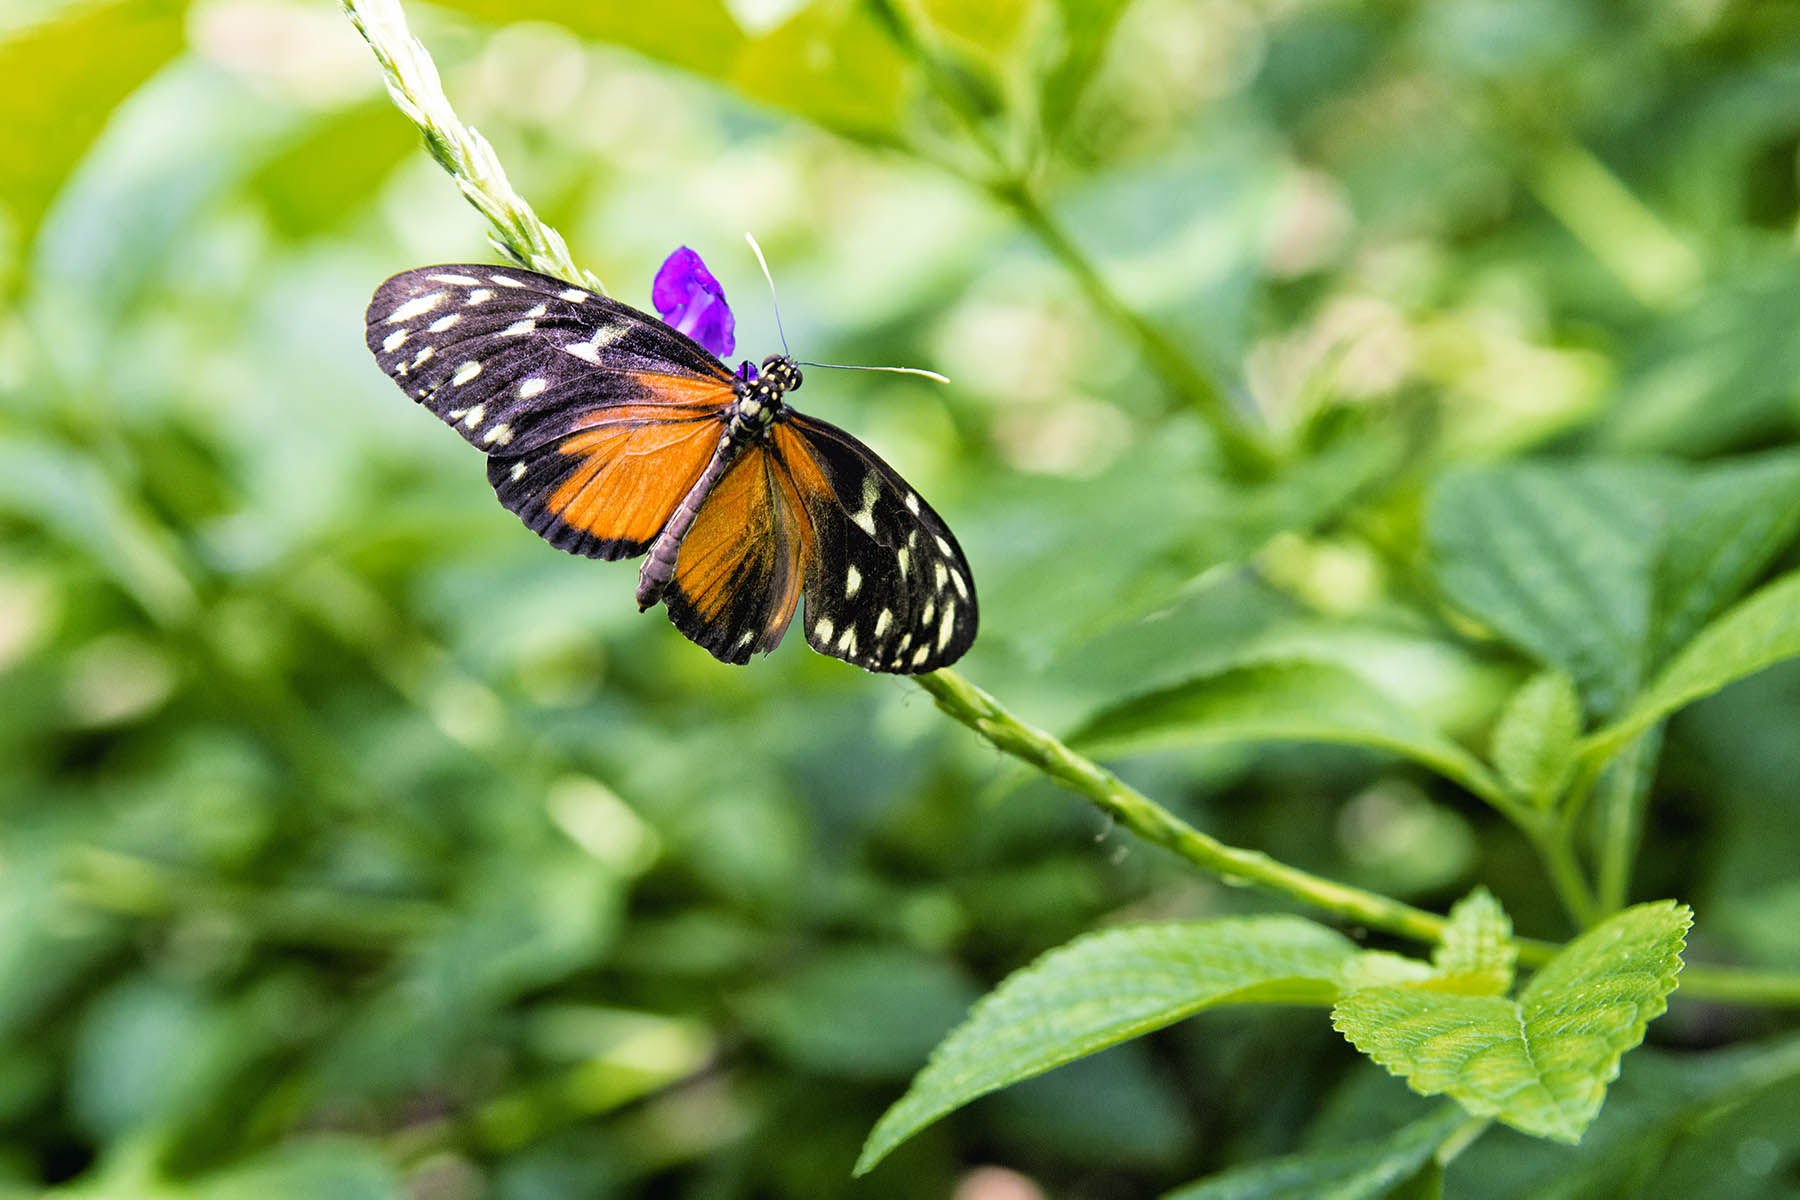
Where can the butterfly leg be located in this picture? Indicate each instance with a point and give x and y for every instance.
(659, 567)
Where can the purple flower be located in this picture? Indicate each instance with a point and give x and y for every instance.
(688, 297)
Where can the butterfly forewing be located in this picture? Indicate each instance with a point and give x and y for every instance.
(508, 358)
(607, 490)
(887, 587)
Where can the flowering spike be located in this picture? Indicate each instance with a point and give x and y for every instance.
(688, 297)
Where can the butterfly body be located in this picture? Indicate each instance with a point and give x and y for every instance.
(755, 410)
(613, 435)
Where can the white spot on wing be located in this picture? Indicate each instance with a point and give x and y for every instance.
(905, 557)
(506, 281)
(466, 372)
(574, 295)
(501, 433)
(418, 306)
(539, 311)
(443, 323)
(865, 518)
(532, 387)
(423, 356)
(930, 608)
(912, 504)
(744, 641)
(822, 631)
(458, 280)
(603, 337)
(920, 655)
(518, 471)
(519, 327)
(394, 340)
(847, 643)
(883, 619)
(948, 627)
(852, 582)
(962, 585)
(945, 547)
(941, 574)
(479, 295)
(475, 415)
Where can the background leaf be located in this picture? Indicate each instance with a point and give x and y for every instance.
(1558, 560)
(1106, 987)
(1364, 1172)
(1534, 741)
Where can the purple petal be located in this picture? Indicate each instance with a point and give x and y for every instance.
(747, 371)
(688, 297)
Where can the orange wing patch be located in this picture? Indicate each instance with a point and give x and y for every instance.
(631, 476)
(742, 565)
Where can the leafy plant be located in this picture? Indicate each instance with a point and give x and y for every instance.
(1374, 441)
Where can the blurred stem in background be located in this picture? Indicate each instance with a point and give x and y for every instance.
(521, 235)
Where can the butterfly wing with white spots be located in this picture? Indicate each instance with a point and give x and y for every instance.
(887, 587)
(596, 417)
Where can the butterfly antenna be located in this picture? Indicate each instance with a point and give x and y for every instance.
(895, 370)
(764, 264)
(773, 303)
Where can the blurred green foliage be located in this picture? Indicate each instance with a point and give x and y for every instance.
(357, 844)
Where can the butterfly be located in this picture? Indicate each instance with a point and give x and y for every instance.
(613, 435)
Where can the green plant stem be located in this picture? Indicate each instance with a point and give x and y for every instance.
(1620, 816)
(1150, 821)
(979, 711)
(1557, 850)
(1244, 452)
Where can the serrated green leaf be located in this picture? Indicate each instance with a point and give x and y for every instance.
(1534, 740)
(1734, 519)
(1106, 987)
(63, 80)
(1365, 1171)
(1754, 634)
(1540, 1063)
(1295, 701)
(1478, 941)
(1557, 558)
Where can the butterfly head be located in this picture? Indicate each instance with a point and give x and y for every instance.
(780, 374)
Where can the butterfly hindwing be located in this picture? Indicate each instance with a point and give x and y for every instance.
(743, 564)
(512, 359)
(887, 587)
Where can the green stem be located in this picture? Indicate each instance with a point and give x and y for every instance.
(1245, 453)
(1621, 815)
(1557, 850)
(1150, 821)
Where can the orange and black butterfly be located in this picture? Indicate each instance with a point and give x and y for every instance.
(612, 434)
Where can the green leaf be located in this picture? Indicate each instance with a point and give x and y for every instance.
(1477, 947)
(1087, 28)
(1733, 520)
(1534, 741)
(1295, 701)
(63, 80)
(1556, 558)
(696, 35)
(1540, 1063)
(1106, 987)
(1365, 1171)
(1757, 633)
(831, 63)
